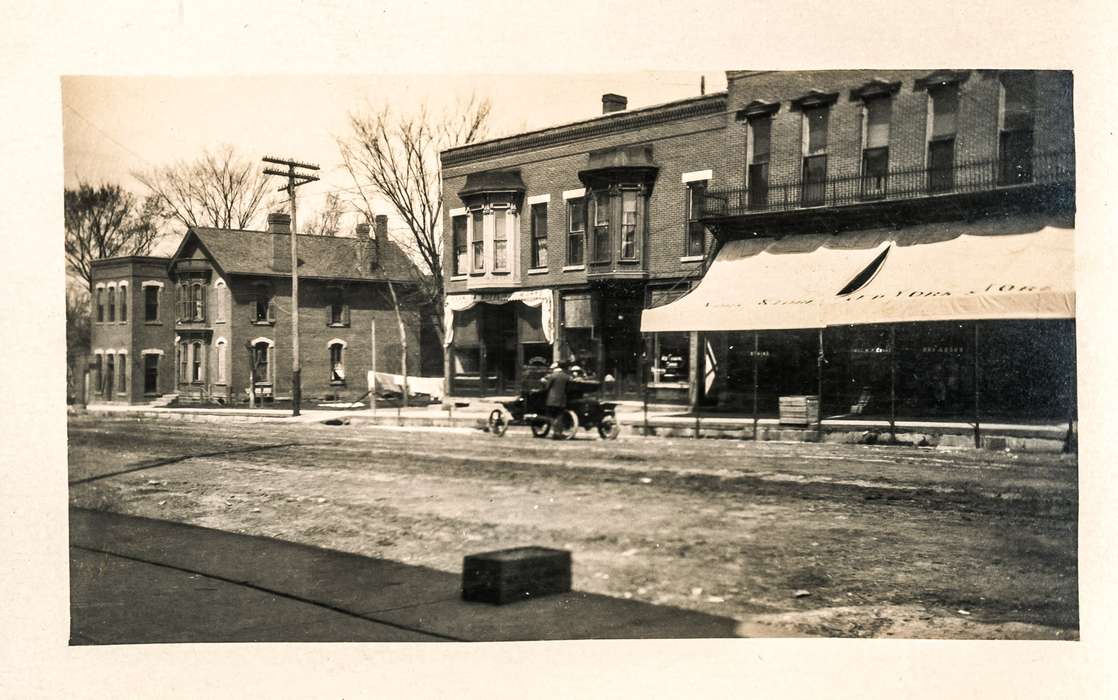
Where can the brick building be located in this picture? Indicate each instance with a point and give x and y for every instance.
(557, 239)
(217, 315)
(890, 243)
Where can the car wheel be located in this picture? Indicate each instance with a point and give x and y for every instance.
(566, 425)
(609, 428)
(540, 429)
(497, 423)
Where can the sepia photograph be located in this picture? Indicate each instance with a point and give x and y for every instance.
(655, 351)
(760, 353)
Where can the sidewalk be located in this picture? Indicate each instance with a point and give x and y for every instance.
(136, 580)
(662, 421)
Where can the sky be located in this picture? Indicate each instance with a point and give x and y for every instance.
(113, 127)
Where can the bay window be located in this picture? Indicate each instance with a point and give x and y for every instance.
(500, 240)
(477, 266)
(599, 208)
(629, 219)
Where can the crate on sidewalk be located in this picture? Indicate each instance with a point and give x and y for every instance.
(799, 410)
(509, 575)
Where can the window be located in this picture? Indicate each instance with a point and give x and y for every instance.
(151, 303)
(151, 371)
(941, 139)
(1015, 139)
(576, 231)
(477, 265)
(696, 232)
(539, 235)
(197, 371)
(221, 348)
(670, 356)
(815, 156)
(183, 357)
(458, 233)
(337, 362)
(100, 305)
(629, 224)
(123, 303)
(261, 351)
(122, 373)
(107, 381)
(760, 130)
(221, 293)
(112, 304)
(337, 311)
(198, 301)
(98, 373)
(262, 311)
(875, 146)
(500, 240)
(599, 207)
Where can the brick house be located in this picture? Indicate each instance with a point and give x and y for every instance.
(557, 239)
(890, 243)
(222, 318)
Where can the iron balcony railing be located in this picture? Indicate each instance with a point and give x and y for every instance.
(812, 190)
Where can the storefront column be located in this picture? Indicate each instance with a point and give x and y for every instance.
(893, 379)
(481, 383)
(977, 428)
(695, 373)
(819, 380)
(756, 347)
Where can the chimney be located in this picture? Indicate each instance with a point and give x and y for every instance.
(279, 224)
(363, 231)
(380, 233)
(614, 103)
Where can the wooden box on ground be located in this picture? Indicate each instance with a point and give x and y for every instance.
(509, 575)
(799, 410)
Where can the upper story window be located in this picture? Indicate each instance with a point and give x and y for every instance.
(630, 221)
(337, 311)
(539, 235)
(123, 293)
(458, 241)
(477, 234)
(576, 231)
(815, 123)
(100, 302)
(500, 240)
(941, 137)
(877, 114)
(112, 304)
(263, 307)
(151, 303)
(759, 147)
(192, 301)
(1015, 137)
(599, 216)
(696, 232)
(221, 295)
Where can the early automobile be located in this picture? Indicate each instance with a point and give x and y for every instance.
(583, 410)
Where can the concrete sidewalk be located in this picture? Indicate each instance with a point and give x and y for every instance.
(136, 580)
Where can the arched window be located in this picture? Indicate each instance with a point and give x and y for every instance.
(337, 361)
(197, 369)
(122, 371)
(123, 302)
(112, 304)
(220, 347)
(198, 301)
(262, 360)
(221, 292)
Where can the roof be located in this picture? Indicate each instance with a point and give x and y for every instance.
(241, 252)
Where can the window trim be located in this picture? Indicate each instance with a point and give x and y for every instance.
(221, 362)
(457, 269)
(534, 237)
(221, 293)
(571, 234)
(690, 220)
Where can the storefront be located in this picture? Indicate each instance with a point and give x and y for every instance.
(494, 340)
(963, 322)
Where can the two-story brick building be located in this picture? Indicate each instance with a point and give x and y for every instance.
(216, 316)
(893, 243)
(557, 239)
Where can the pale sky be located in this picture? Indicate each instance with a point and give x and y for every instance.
(113, 126)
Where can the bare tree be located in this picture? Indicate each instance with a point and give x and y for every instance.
(105, 222)
(397, 157)
(219, 189)
(328, 220)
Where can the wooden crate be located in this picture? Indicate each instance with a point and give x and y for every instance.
(799, 410)
(509, 575)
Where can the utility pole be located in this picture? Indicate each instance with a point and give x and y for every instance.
(294, 179)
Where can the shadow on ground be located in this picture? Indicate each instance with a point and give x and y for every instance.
(138, 580)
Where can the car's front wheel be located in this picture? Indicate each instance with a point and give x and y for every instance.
(497, 422)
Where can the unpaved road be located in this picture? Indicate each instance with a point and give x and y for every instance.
(790, 539)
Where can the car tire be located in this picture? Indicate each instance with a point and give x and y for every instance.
(565, 425)
(540, 429)
(609, 428)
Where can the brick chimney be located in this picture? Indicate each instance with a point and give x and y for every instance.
(362, 231)
(614, 103)
(380, 233)
(279, 225)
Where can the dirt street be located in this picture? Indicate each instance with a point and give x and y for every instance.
(790, 539)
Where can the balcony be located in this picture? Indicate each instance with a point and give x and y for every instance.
(865, 193)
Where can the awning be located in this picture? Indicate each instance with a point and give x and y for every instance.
(766, 284)
(995, 270)
(543, 298)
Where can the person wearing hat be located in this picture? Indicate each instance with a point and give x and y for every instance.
(556, 385)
